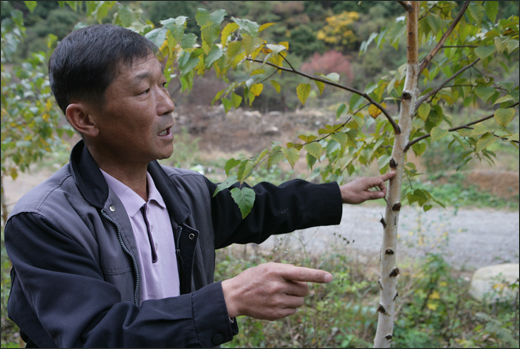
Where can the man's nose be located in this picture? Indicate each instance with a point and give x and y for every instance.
(164, 103)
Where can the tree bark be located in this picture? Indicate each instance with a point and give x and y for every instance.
(389, 270)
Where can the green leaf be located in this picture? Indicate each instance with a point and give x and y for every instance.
(419, 148)
(292, 155)
(213, 55)
(227, 104)
(275, 156)
(157, 36)
(477, 12)
(188, 41)
(513, 137)
(250, 27)
(359, 119)
(176, 27)
(303, 91)
(205, 18)
(479, 129)
(31, 5)
(321, 86)
(491, 8)
(484, 92)
(314, 149)
(512, 45)
(503, 99)
(424, 111)
(504, 116)
(465, 132)
(485, 141)
(341, 109)
(235, 100)
(355, 102)
(499, 44)
(246, 166)
(226, 184)
(257, 89)
(276, 85)
(245, 198)
(231, 163)
(341, 138)
(437, 133)
(484, 51)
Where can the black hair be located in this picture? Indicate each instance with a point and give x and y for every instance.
(87, 60)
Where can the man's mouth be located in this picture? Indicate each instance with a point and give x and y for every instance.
(165, 132)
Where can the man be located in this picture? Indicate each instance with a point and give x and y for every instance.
(115, 250)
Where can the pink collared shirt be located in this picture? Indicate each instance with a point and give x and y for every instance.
(159, 279)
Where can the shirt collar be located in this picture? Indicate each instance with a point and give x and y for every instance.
(130, 199)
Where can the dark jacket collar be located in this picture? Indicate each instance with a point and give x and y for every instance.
(94, 188)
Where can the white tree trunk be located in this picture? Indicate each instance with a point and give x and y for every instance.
(389, 270)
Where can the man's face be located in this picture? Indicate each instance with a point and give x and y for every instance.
(136, 119)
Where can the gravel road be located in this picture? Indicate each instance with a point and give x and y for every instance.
(470, 238)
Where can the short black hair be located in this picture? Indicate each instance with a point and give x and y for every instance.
(87, 60)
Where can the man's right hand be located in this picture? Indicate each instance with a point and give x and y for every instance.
(270, 291)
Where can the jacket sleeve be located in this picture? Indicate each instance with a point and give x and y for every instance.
(59, 292)
(294, 205)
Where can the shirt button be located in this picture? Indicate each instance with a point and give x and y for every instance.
(112, 208)
(191, 236)
(218, 339)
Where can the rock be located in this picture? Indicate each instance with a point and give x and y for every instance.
(254, 113)
(492, 282)
(274, 113)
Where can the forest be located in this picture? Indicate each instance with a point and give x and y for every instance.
(323, 91)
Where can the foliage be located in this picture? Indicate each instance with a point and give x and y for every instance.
(435, 310)
(30, 120)
(330, 62)
(338, 31)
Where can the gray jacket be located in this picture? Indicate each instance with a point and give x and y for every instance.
(75, 276)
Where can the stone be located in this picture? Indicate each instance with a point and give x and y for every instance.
(491, 283)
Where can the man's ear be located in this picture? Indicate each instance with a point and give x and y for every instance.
(79, 116)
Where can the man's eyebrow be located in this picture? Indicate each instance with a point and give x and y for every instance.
(145, 75)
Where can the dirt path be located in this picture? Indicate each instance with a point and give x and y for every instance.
(470, 238)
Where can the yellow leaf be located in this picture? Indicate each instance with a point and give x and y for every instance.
(48, 104)
(46, 117)
(265, 26)
(256, 89)
(435, 295)
(432, 306)
(284, 43)
(303, 91)
(266, 50)
(375, 111)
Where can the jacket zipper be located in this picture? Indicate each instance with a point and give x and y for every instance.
(119, 236)
(177, 245)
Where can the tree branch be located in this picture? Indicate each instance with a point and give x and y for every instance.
(405, 5)
(431, 93)
(455, 128)
(439, 45)
(346, 88)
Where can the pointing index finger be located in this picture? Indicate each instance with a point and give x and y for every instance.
(293, 273)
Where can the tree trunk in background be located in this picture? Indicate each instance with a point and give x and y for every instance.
(389, 270)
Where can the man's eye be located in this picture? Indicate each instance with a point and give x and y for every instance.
(145, 91)
(164, 84)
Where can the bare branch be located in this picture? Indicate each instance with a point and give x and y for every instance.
(405, 5)
(431, 93)
(346, 88)
(439, 45)
(456, 128)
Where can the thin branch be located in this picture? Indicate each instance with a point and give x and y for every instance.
(346, 88)
(458, 46)
(439, 45)
(458, 128)
(405, 5)
(267, 78)
(431, 93)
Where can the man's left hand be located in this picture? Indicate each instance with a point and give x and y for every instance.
(358, 191)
